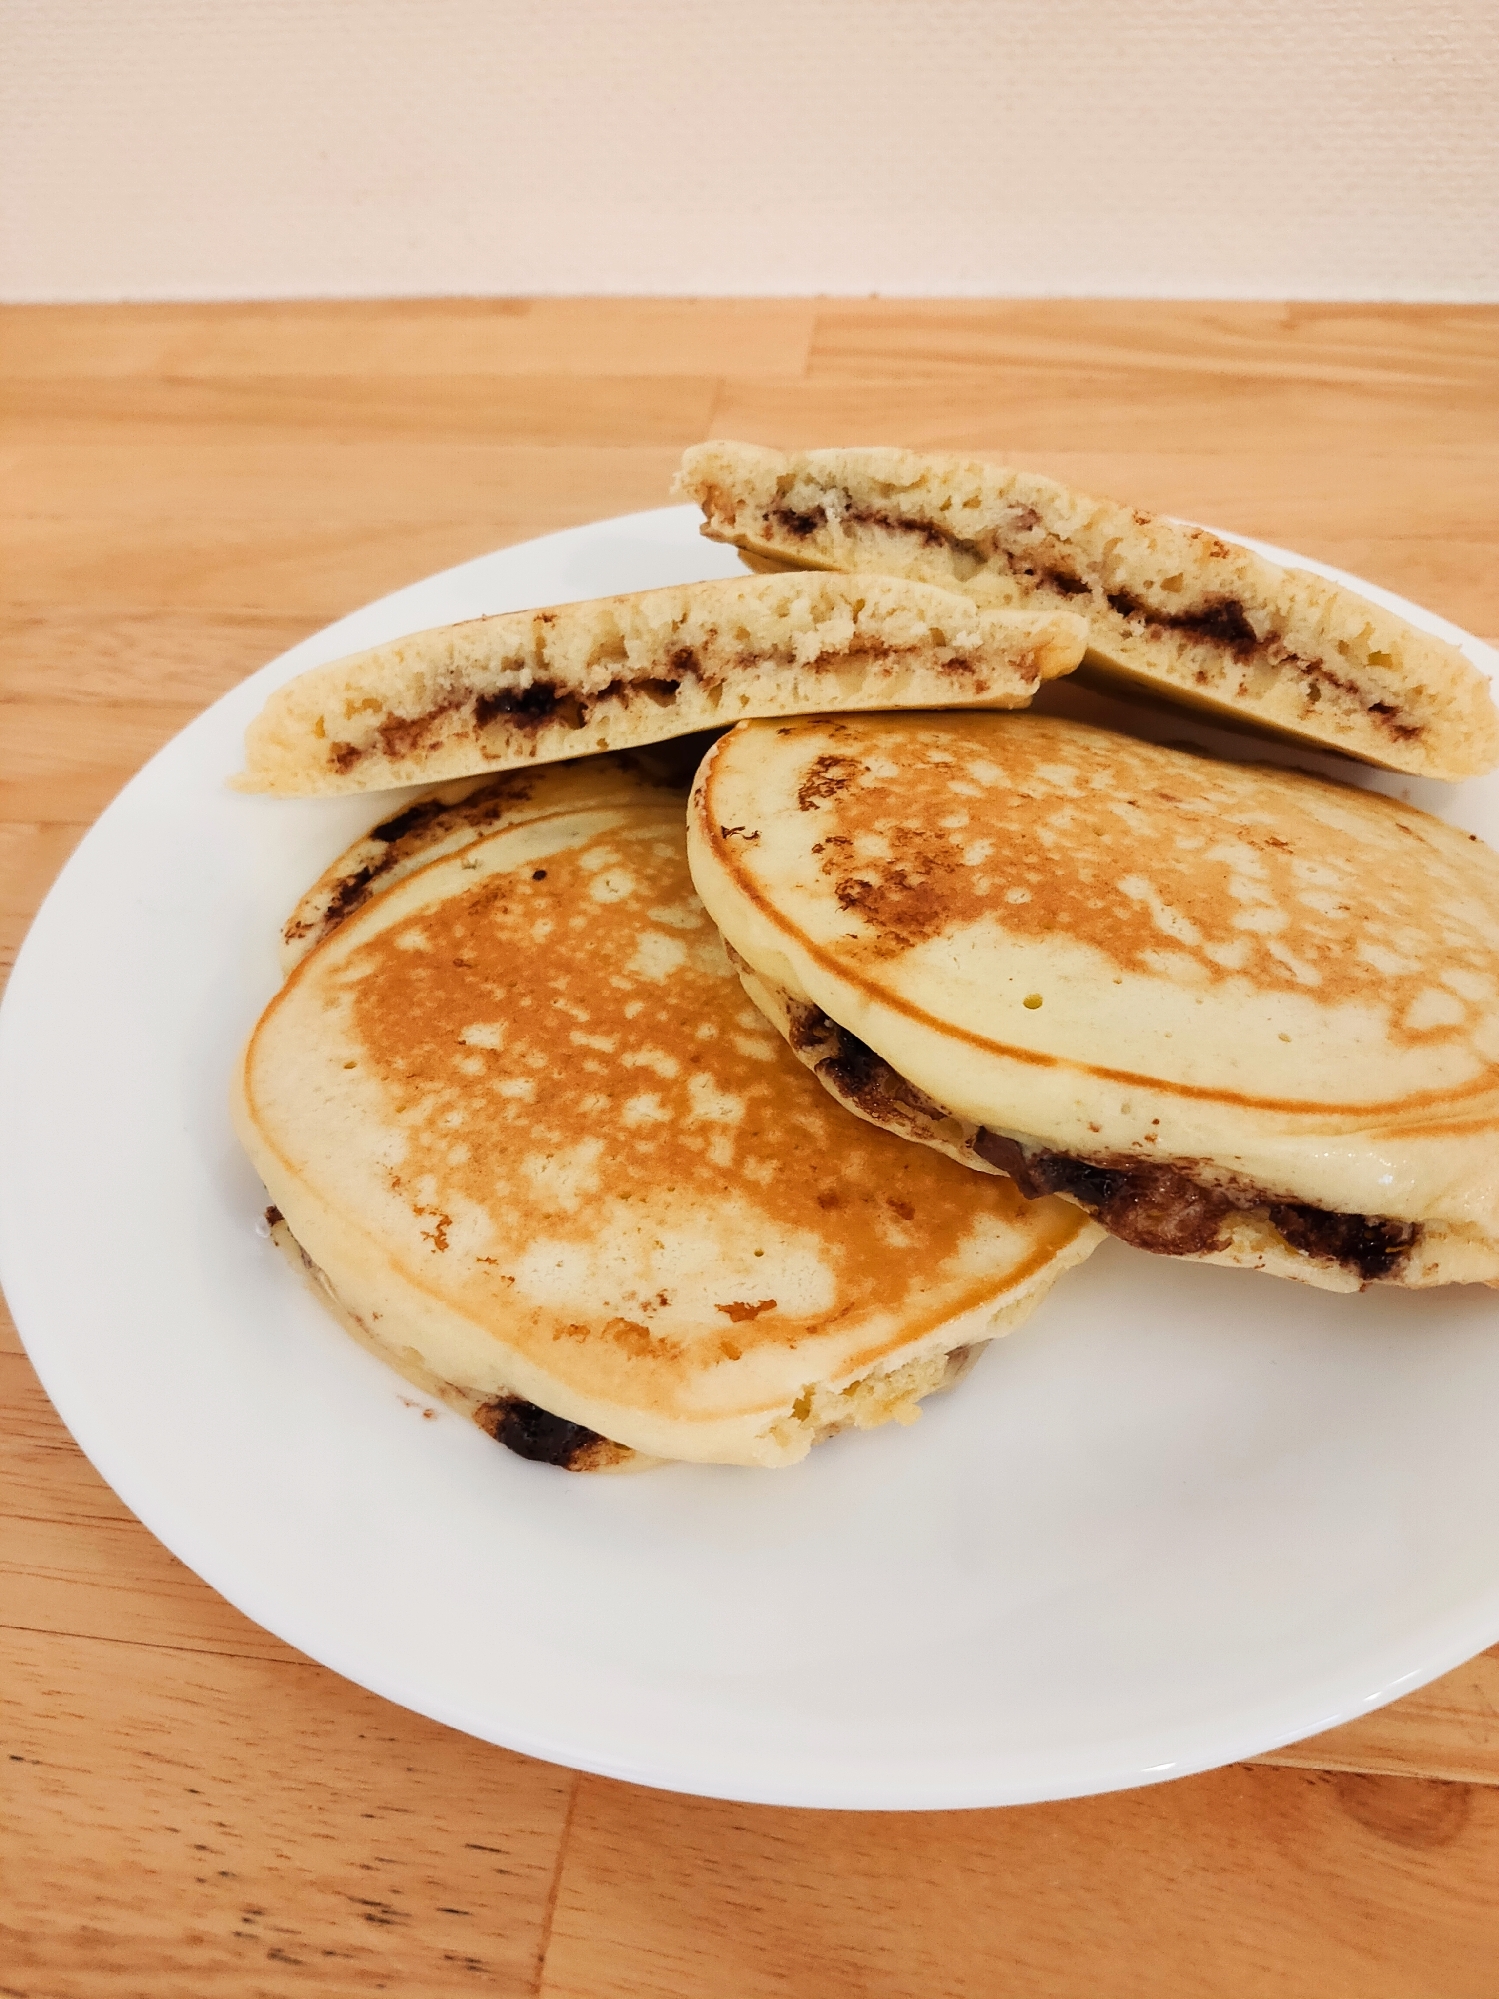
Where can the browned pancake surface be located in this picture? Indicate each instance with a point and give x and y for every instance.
(519, 1110)
(657, 1076)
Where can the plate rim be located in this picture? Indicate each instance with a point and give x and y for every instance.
(1450, 1644)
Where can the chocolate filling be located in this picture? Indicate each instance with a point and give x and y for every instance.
(1371, 1244)
(1158, 1207)
(524, 708)
(1144, 1202)
(973, 555)
(546, 702)
(353, 890)
(536, 1434)
(399, 735)
(854, 1071)
(409, 821)
(801, 525)
(536, 703)
(1221, 621)
(1154, 1207)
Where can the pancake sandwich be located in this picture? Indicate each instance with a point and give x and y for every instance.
(1173, 611)
(536, 1147)
(528, 687)
(1237, 1014)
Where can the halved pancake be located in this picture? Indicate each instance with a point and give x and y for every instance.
(517, 1112)
(1236, 1013)
(1172, 610)
(535, 687)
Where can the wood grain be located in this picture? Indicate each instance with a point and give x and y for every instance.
(1116, 410)
(1249, 1882)
(1449, 1729)
(231, 1825)
(534, 410)
(1204, 342)
(190, 1806)
(589, 338)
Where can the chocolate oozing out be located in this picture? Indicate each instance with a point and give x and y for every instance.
(397, 835)
(1160, 1208)
(1153, 1206)
(536, 1434)
(855, 1072)
(1371, 1243)
(346, 898)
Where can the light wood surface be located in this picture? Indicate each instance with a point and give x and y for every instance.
(192, 1809)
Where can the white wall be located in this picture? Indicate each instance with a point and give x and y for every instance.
(279, 148)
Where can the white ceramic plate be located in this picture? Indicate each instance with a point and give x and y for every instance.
(1182, 1516)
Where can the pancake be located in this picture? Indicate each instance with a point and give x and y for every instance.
(538, 1148)
(536, 687)
(1237, 1014)
(1173, 611)
(450, 816)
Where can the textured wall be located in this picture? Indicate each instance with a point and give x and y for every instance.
(244, 148)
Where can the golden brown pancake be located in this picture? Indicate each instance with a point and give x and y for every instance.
(517, 1111)
(1236, 1013)
(450, 816)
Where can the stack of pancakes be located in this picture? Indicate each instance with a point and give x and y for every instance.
(652, 1127)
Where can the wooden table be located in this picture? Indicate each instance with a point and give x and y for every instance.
(193, 1809)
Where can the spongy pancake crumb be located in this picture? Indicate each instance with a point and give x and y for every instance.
(1171, 609)
(530, 687)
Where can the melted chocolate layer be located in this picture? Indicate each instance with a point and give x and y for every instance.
(535, 703)
(1371, 1244)
(351, 892)
(523, 708)
(1152, 1205)
(973, 553)
(1221, 620)
(409, 821)
(856, 1073)
(537, 1434)
(1160, 1208)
